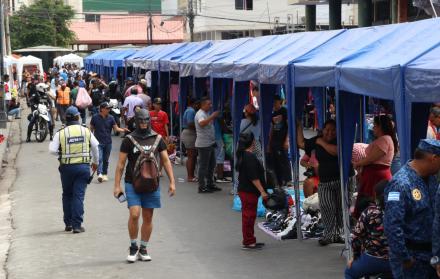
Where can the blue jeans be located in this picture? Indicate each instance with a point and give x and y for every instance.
(14, 112)
(83, 116)
(104, 154)
(367, 265)
(74, 179)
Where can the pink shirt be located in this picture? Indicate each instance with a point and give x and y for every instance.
(384, 143)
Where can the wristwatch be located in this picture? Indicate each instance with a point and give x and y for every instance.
(435, 261)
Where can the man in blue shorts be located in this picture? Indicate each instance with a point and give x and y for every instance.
(141, 202)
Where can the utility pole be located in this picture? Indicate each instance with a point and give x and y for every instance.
(191, 16)
(7, 33)
(310, 18)
(150, 29)
(365, 16)
(335, 7)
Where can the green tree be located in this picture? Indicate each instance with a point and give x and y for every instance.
(46, 22)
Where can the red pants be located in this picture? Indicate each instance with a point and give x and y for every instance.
(249, 203)
(370, 176)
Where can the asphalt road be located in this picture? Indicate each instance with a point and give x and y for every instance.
(195, 236)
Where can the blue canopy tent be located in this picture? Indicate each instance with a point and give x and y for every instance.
(376, 71)
(98, 62)
(316, 69)
(273, 73)
(170, 63)
(422, 88)
(137, 61)
(116, 61)
(89, 60)
(153, 64)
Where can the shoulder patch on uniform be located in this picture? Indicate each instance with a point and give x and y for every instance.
(394, 196)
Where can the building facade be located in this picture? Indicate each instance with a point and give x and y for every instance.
(226, 19)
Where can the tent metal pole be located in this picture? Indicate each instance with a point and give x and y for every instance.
(294, 163)
(180, 120)
(171, 105)
(341, 173)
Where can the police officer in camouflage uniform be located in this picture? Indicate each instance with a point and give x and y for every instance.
(409, 213)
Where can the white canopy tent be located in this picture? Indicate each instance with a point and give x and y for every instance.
(8, 63)
(69, 58)
(28, 61)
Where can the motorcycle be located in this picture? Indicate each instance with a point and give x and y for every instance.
(41, 127)
(115, 112)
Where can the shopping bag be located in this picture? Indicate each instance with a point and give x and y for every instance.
(83, 99)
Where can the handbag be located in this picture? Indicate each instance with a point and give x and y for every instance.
(83, 99)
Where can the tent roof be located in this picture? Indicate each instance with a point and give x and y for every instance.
(29, 59)
(316, 68)
(422, 78)
(198, 64)
(376, 71)
(138, 58)
(117, 57)
(222, 65)
(152, 63)
(273, 68)
(43, 48)
(172, 60)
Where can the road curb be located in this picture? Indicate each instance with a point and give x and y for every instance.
(8, 153)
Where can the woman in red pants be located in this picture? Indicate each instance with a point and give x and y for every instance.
(376, 166)
(251, 184)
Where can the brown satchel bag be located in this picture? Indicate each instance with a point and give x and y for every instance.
(146, 169)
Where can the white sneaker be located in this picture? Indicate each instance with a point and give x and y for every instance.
(104, 178)
(100, 178)
(133, 254)
(143, 255)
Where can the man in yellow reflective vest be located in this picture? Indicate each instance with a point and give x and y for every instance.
(76, 148)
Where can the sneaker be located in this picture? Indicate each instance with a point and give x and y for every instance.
(100, 178)
(205, 191)
(79, 230)
(252, 247)
(133, 254)
(104, 178)
(68, 229)
(222, 180)
(214, 188)
(143, 254)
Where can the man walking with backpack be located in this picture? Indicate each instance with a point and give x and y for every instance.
(140, 149)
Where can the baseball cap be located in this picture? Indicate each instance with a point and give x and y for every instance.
(72, 111)
(157, 101)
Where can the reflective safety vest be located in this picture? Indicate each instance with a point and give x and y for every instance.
(74, 145)
(63, 96)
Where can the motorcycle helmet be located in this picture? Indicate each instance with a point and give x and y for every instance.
(42, 87)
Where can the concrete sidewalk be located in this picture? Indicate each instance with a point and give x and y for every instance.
(8, 153)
